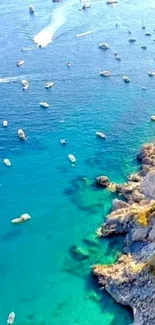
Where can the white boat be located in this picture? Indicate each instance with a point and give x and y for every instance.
(115, 53)
(111, 2)
(63, 141)
(22, 218)
(21, 134)
(49, 85)
(144, 47)
(105, 73)
(151, 73)
(31, 9)
(126, 79)
(101, 135)
(69, 64)
(44, 104)
(132, 40)
(5, 123)
(20, 63)
(104, 46)
(11, 318)
(144, 88)
(153, 118)
(118, 57)
(86, 6)
(72, 158)
(7, 162)
(25, 84)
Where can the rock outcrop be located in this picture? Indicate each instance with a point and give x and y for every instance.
(131, 281)
(102, 181)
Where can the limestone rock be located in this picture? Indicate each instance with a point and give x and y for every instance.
(103, 181)
(119, 204)
(147, 186)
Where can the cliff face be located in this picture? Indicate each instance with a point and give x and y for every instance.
(131, 281)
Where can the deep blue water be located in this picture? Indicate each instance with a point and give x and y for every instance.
(39, 277)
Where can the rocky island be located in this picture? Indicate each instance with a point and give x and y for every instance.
(131, 281)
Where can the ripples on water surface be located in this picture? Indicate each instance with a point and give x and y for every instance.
(40, 278)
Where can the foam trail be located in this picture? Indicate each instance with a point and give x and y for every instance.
(44, 37)
(85, 33)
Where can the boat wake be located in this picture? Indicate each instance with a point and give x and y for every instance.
(86, 33)
(45, 36)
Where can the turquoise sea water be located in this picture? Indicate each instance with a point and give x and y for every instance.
(40, 278)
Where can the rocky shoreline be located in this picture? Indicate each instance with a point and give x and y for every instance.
(131, 281)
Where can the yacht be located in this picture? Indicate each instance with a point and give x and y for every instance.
(132, 40)
(144, 47)
(103, 46)
(105, 73)
(5, 123)
(44, 104)
(72, 158)
(49, 85)
(21, 134)
(25, 84)
(7, 162)
(151, 73)
(11, 318)
(101, 135)
(31, 9)
(19, 63)
(126, 79)
(22, 218)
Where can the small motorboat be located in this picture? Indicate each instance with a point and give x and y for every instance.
(144, 47)
(111, 2)
(63, 141)
(118, 57)
(144, 88)
(11, 318)
(21, 134)
(22, 218)
(7, 162)
(25, 84)
(153, 118)
(143, 27)
(104, 46)
(44, 104)
(49, 85)
(31, 9)
(20, 63)
(129, 31)
(105, 73)
(115, 53)
(151, 73)
(126, 79)
(132, 40)
(148, 34)
(68, 64)
(5, 123)
(86, 6)
(117, 25)
(101, 135)
(72, 158)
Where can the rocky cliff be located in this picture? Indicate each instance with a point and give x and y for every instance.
(131, 281)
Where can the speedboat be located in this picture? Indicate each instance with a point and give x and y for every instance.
(49, 85)
(144, 47)
(44, 104)
(101, 135)
(151, 73)
(86, 6)
(118, 57)
(104, 46)
(144, 88)
(132, 40)
(69, 64)
(126, 79)
(153, 118)
(11, 318)
(72, 158)
(5, 123)
(22, 218)
(31, 9)
(7, 162)
(115, 53)
(19, 63)
(25, 84)
(111, 2)
(63, 141)
(21, 134)
(148, 34)
(105, 73)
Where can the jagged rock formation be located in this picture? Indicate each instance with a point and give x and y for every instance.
(131, 281)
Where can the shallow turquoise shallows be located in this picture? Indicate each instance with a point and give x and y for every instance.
(42, 279)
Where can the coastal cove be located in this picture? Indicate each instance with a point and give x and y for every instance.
(45, 264)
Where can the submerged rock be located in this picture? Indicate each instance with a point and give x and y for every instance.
(79, 253)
